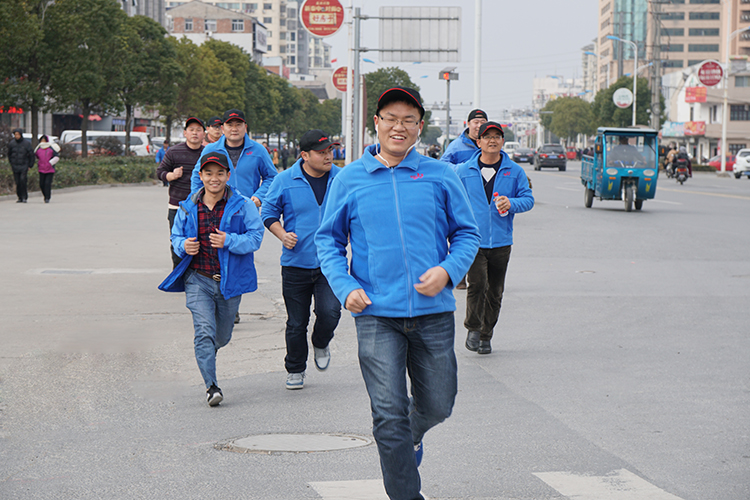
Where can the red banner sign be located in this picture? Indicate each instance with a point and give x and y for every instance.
(695, 94)
(321, 17)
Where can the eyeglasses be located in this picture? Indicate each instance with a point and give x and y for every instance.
(496, 138)
(409, 123)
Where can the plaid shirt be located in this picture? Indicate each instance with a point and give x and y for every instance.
(207, 259)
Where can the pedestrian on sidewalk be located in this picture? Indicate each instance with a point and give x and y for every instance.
(399, 211)
(215, 234)
(299, 196)
(47, 154)
(176, 169)
(498, 189)
(21, 158)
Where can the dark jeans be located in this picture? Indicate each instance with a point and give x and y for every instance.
(170, 217)
(299, 286)
(389, 349)
(21, 177)
(484, 294)
(45, 184)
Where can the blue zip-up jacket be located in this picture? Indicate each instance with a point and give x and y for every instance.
(510, 181)
(253, 167)
(460, 150)
(244, 231)
(399, 222)
(291, 196)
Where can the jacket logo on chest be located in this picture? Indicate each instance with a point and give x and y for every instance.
(418, 176)
(506, 174)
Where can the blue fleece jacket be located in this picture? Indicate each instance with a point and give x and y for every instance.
(291, 196)
(460, 150)
(244, 231)
(253, 167)
(399, 222)
(510, 181)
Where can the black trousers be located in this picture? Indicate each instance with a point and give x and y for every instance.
(22, 179)
(484, 294)
(170, 217)
(45, 184)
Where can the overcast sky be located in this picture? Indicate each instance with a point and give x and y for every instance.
(520, 40)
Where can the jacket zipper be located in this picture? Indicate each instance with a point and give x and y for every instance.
(403, 242)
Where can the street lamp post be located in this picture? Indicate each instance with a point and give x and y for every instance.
(635, 68)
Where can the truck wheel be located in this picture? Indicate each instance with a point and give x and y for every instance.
(629, 196)
(562, 169)
(638, 204)
(588, 198)
(737, 176)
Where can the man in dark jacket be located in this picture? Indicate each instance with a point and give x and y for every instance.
(21, 158)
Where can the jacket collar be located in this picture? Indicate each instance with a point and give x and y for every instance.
(372, 164)
(474, 160)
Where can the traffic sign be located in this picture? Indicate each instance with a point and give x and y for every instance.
(340, 78)
(321, 18)
(710, 73)
(622, 98)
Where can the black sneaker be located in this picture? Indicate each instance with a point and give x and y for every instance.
(237, 318)
(214, 396)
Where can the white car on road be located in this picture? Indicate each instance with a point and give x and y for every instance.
(742, 164)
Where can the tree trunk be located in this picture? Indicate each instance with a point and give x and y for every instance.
(168, 124)
(34, 125)
(86, 109)
(128, 121)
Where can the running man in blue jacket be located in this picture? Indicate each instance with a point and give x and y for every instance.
(498, 189)
(299, 196)
(463, 147)
(399, 211)
(215, 234)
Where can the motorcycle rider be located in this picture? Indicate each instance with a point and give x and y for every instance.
(668, 167)
(682, 154)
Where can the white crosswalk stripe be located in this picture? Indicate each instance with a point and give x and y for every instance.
(618, 485)
(371, 489)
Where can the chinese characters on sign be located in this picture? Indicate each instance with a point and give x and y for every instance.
(340, 77)
(710, 73)
(695, 94)
(321, 17)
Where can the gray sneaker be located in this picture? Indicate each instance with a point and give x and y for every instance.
(322, 358)
(295, 381)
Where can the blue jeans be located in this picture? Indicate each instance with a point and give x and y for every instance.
(213, 320)
(299, 286)
(389, 348)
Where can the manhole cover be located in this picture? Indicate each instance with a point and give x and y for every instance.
(294, 443)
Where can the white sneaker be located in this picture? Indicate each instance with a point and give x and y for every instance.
(295, 381)
(322, 358)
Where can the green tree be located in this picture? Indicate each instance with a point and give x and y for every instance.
(327, 117)
(87, 70)
(238, 63)
(261, 100)
(571, 116)
(606, 114)
(149, 68)
(24, 67)
(378, 82)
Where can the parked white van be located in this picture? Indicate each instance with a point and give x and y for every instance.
(140, 142)
(511, 146)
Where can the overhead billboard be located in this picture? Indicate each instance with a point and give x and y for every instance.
(420, 34)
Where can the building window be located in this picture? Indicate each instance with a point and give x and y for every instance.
(267, 6)
(705, 1)
(238, 25)
(292, 61)
(735, 148)
(739, 113)
(704, 32)
(293, 36)
(673, 31)
(672, 16)
(693, 62)
(267, 20)
(703, 47)
(210, 24)
(672, 64)
(282, 49)
(606, 7)
(269, 34)
(673, 47)
(189, 24)
(270, 48)
(742, 81)
(704, 15)
(291, 47)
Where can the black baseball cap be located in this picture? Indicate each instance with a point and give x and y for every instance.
(218, 158)
(490, 125)
(403, 94)
(315, 140)
(477, 113)
(193, 119)
(214, 120)
(233, 114)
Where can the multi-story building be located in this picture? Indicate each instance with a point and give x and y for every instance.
(628, 20)
(319, 53)
(691, 32)
(155, 9)
(589, 66)
(199, 21)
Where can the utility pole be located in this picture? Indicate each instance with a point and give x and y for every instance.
(656, 65)
(620, 48)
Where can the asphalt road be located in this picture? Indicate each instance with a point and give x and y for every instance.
(620, 368)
